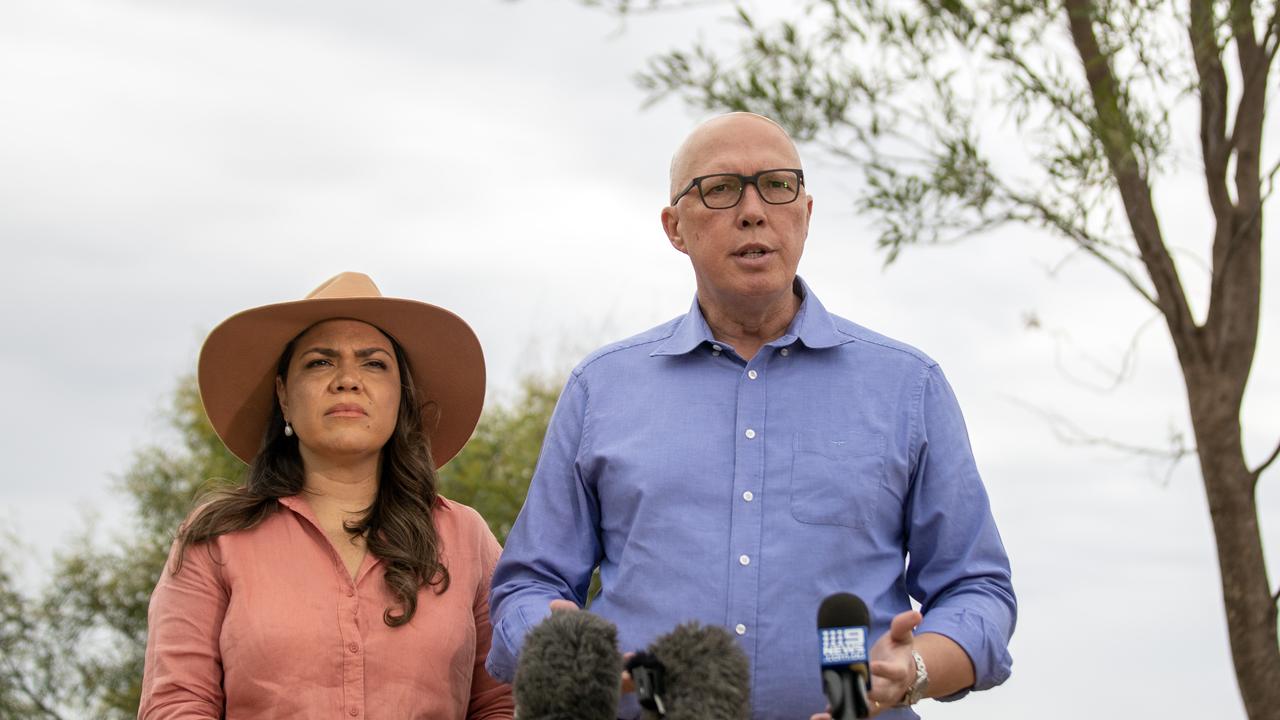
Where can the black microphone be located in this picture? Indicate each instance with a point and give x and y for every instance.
(569, 669)
(846, 674)
(694, 672)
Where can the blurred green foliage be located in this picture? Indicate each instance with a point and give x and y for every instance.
(74, 648)
(492, 472)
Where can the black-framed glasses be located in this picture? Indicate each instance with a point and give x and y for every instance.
(724, 190)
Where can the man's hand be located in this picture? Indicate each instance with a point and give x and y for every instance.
(561, 605)
(893, 669)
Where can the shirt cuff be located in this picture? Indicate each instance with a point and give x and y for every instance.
(985, 645)
(508, 638)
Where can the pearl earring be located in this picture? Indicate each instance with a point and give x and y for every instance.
(288, 429)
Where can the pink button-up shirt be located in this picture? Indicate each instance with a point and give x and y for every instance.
(267, 623)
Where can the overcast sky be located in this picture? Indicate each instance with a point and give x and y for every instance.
(165, 164)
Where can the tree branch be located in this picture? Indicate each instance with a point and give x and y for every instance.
(1128, 277)
(633, 7)
(1085, 241)
(1072, 434)
(1271, 184)
(1271, 36)
(1117, 376)
(1257, 472)
(1214, 143)
(1115, 132)
(1230, 328)
(1241, 21)
(19, 679)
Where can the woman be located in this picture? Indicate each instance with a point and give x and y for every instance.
(335, 583)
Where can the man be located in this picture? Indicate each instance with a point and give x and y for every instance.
(740, 463)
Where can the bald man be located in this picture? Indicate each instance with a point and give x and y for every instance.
(740, 463)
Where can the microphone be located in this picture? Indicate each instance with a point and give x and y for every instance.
(569, 669)
(694, 672)
(846, 674)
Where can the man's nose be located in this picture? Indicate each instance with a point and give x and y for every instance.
(751, 207)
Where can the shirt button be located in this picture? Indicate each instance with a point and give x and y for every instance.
(353, 712)
(740, 629)
(750, 433)
(784, 352)
(351, 592)
(717, 348)
(744, 560)
(716, 353)
(353, 647)
(752, 374)
(748, 496)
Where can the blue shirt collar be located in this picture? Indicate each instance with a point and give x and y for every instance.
(813, 326)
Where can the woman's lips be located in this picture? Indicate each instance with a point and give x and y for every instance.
(346, 411)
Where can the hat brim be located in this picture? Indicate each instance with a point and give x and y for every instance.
(237, 367)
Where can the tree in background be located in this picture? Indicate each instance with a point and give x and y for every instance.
(492, 472)
(76, 649)
(920, 97)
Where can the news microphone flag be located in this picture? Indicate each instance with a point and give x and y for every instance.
(842, 643)
(843, 646)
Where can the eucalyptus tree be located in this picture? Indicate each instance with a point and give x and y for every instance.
(1102, 100)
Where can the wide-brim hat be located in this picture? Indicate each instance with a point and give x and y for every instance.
(238, 363)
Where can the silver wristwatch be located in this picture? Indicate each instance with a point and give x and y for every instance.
(920, 687)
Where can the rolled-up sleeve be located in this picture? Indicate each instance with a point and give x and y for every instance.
(554, 545)
(182, 679)
(958, 567)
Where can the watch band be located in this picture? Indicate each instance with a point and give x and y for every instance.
(917, 691)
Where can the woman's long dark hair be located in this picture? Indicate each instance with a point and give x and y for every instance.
(398, 527)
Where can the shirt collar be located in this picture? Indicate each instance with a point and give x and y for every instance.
(299, 505)
(813, 326)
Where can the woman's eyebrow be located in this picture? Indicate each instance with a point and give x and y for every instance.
(361, 353)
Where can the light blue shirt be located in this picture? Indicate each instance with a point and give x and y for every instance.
(741, 493)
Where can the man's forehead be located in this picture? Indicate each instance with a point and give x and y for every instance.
(735, 138)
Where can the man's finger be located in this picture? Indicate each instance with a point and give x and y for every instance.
(559, 605)
(893, 672)
(903, 624)
(628, 684)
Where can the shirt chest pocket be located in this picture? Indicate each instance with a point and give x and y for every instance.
(837, 478)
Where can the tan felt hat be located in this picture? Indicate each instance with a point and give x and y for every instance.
(237, 368)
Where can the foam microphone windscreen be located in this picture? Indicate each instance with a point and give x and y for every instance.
(569, 669)
(706, 675)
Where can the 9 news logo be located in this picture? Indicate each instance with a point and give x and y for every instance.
(844, 645)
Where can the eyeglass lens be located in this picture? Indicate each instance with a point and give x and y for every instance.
(724, 191)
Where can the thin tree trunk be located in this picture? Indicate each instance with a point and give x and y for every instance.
(1216, 357)
(1229, 485)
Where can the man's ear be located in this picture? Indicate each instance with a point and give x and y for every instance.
(671, 226)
